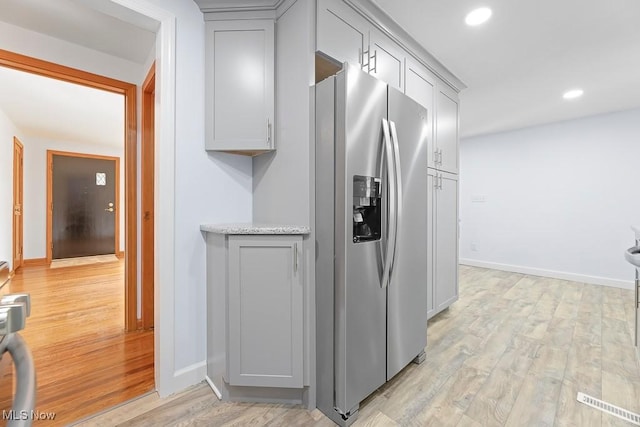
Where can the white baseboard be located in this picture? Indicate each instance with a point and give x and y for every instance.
(189, 375)
(213, 387)
(574, 277)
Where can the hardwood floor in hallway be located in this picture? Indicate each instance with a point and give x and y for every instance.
(513, 351)
(84, 361)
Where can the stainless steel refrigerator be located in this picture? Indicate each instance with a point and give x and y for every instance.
(371, 238)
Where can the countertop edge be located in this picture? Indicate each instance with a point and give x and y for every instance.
(253, 229)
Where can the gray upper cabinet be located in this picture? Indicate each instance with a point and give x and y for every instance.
(447, 124)
(386, 59)
(265, 311)
(239, 87)
(346, 36)
(342, 34)
(420, 84)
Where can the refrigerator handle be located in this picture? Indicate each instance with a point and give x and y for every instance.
(391, 217)
(398, 179)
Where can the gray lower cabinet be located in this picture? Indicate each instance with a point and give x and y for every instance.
(442, 244)
(265, 311)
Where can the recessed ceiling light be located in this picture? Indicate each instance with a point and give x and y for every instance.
(478, 16)
(572, 94)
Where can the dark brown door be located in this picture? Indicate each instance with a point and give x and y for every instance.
(18, 197)
(84, 208)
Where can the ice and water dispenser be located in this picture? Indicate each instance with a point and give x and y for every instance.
(366, 208)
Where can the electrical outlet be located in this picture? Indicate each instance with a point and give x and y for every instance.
(474, 247)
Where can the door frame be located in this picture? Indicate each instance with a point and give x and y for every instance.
(128, 90)
(49, 205)
(147, 222)
(18, 175)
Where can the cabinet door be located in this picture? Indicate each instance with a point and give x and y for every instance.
(446, 248)
(342, 33)
(265, 321)
(431, 302)
(239, 68)
(447, 128)
(386, 59)
(419, 84)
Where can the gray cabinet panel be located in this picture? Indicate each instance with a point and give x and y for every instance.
(446, 248)
(342, 33)
(420, 84)
(386, 59)
(442, 241)
(431, 301)
(447, 129)
(239, 85)
(265, 311)
(346, 36)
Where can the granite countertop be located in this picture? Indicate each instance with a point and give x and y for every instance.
(251, 228)
(636, 229)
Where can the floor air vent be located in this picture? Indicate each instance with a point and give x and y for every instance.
(609, 408)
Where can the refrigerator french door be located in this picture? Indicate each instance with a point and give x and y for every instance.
(371, 225)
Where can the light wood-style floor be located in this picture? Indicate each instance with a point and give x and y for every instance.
(84, 361)
(514, 350)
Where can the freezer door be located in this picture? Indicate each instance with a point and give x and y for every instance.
(407, 291)
(360, 300)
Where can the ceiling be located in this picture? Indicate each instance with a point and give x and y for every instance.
(51, 109)
(518, 64)
(90, 23)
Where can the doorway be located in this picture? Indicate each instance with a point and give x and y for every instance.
(83, 213)
(128, 90)
(18, 203)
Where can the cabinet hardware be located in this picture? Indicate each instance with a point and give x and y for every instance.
(269, 133)
(295, 257)
(441, 181)
(440, 156)
(362, 55)
(375, 62)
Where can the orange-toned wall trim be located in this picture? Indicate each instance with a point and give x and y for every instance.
(35, 262)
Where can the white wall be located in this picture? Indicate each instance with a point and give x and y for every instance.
(281, 179)
(7, 131)
(209, 187)
(35, 188)
(559, 198)
(19, 40)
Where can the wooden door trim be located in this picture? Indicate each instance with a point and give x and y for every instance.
(50, 154)
(18, 172)
(72, 75)
(147, 244)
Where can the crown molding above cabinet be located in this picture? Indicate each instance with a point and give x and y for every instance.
(237, 6)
